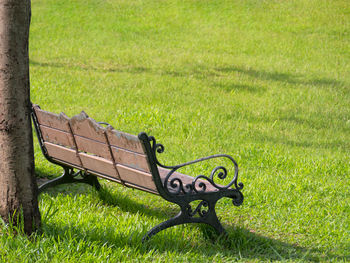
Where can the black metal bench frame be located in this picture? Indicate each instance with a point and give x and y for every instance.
(171, 189)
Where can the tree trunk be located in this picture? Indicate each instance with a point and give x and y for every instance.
(18, 188)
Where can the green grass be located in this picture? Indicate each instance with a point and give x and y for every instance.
(267, 82)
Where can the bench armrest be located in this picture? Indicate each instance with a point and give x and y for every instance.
(198, 184)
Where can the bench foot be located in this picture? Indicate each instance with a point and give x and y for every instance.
(177, 220)
(187, 215)
(69, 177)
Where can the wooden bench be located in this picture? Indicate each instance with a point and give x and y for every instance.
(86, 150)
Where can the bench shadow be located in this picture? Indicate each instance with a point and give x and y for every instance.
(240, 243)
(105, 195)
(126, 204)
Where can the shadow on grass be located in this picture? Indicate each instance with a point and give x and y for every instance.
(135, 70)
(240, 243)
(122, 201)
(330, 143)
(281, 77)
(126, 204)
(206, 73)
(239, 87)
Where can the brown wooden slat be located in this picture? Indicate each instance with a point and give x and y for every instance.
(126, 184)
(186, 179)
(84, 126)
(89, 136)
(98, 164)
(91, 146)
(124, 140)
(57, 121)
(62, 153)
(56, 136)
(137, 177)
(152, 191)
(68, 164)
(131, 159)
(113, 179)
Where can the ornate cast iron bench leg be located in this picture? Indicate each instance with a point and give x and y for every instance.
(177, 220)
(203, 213)
(69, 177)
(184, 190)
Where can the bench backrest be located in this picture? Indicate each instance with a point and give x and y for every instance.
(82, 143)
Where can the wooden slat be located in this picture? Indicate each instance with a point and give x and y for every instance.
(136, 177)
(98, 164)
(124, 140)
(84, 126)
(91, 146)
(57, 136)
(68, 164)
(62, 153)
(57, 121)
(131, 159)
(89, 136)
(152, 191)
(186, 179)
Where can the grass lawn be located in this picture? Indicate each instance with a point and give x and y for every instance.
(267, 82)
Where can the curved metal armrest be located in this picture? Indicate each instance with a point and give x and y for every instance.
(221, 172)
(197, 184)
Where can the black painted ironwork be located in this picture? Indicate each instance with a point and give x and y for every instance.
(175, 191)
(176, 183)
(70, 176)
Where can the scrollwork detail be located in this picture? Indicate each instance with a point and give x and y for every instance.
(202, 209)
(175, 186)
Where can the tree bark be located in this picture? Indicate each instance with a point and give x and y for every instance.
(18, 188)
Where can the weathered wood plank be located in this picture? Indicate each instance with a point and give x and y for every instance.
(57, 121)
(136, 177)
(94, 147)
(98, 164)
(126, 183)
(68, 164)
(124, 140)
(83, 125)
(57, 136)
(62, 153)
(131, 159)
(90, 138)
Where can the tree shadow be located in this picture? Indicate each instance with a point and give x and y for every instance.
(211, 73)
(282, 77)
(135, 70)
(300, 142)
(240, 87)
(315, 121)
